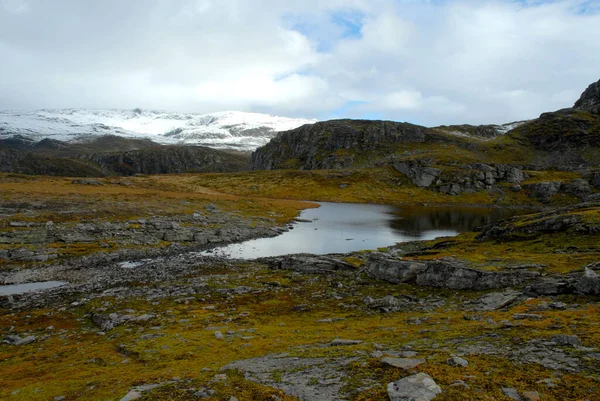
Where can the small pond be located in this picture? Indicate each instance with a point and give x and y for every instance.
(345, 227)
(15, 289)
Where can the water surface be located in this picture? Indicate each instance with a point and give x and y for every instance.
(346, 227)
(15, 289)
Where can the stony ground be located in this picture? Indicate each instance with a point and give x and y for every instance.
(179, 325)
(205, 328)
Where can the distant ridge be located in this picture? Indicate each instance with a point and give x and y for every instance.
(222, 130)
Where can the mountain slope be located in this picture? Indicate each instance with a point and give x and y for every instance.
(234, 130)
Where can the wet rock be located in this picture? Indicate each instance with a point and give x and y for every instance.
(419, 387)
(403, 363)
(511, 393)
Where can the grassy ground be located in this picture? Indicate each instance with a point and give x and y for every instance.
(72, 358)
(78, 362)
(59, 200)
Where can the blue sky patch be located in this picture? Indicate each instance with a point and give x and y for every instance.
(326, 31)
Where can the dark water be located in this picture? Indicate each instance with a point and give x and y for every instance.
(343, 227)
(23, 288)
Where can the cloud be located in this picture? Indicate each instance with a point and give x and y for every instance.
(432, 62)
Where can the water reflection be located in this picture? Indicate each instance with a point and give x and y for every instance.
(414, 221)
(343, 227)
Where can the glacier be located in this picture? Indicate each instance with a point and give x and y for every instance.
(222, 130)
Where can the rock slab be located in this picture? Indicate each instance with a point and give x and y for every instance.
(419, 387)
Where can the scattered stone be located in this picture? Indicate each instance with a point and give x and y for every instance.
(557, 305)
(219, 335)
(14, 339)
(531, 396)
(496, 300)
(86, 182)
(511, 393)
(419, 387)
(563, 339)
(459, 383)
(386, 304)
(589, 284)
(457, 362)
(403, 363)
(341, 342)
(132, 395)
(221, 377)
(527, 316)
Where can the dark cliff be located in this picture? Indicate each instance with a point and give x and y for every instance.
(113, 156)
(171, 159)
(590, 99)
(335, 144)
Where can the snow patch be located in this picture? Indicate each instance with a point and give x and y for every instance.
(229, 129)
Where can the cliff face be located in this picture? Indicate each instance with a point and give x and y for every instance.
(172, 159)
(332, 144)
(590, 99)
(17, 161)
(107, 156)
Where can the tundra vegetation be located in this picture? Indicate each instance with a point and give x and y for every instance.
(509, 312)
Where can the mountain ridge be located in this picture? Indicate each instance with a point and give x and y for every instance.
(221, 130)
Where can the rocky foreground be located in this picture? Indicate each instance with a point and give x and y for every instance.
(402, 323)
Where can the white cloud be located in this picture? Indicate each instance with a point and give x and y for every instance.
(15, 6)
(463, 61)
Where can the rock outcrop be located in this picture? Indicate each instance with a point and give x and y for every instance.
(469, 178)
(590, 99)
(334, 144)
(442, 273)
(114, 156)
(171, 159)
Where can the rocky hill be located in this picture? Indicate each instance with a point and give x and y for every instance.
(111, 155)
(171, 159)
(457, 159)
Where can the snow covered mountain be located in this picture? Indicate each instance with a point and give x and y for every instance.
(230, 129)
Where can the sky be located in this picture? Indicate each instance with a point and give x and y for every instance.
(428, 62)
